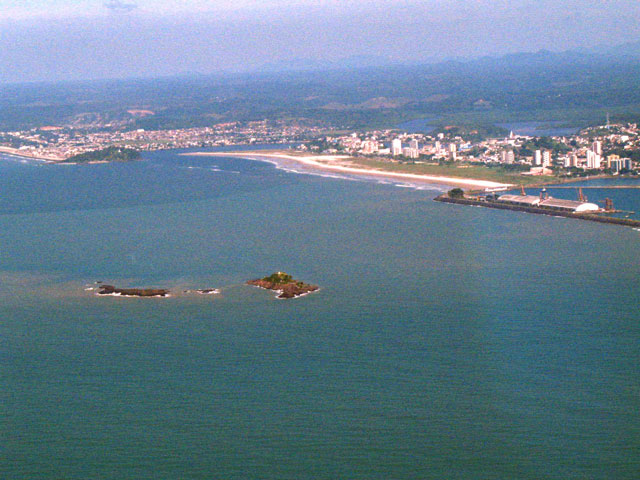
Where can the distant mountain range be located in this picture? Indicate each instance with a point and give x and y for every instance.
(599, 52)
(308, 64)
(628, 49)
(575, 88)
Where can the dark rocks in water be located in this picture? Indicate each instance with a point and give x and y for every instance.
(208, 291)
(284, 284)
(204, 291)
(132, 292)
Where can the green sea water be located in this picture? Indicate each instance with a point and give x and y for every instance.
(446, 342)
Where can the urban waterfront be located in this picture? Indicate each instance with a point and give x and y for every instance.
(445, 342)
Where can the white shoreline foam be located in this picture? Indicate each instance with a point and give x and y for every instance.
(213, 291)
(323, 163)
(279, 292)
(131, 296)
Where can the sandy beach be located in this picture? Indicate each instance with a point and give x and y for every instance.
(342, 164)
(26, 154)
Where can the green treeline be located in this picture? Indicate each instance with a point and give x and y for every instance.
(109, 154)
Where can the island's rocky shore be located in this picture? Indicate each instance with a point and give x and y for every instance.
(203, 291)
(105, 289)
(281, 283)
(284, 285)
(132, 292)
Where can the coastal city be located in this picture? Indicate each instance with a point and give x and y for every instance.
(611, 148)
(58, 143)
(320, 239)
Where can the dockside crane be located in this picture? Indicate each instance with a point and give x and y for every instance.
(543, 194)
(608, 205)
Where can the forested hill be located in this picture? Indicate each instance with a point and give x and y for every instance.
(109, 154)
(543, 86)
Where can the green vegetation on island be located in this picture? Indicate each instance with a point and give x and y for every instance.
(284, 284)
(456, 193)
(279, 278)
(109, 154)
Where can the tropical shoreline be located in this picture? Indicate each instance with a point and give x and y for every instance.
(339, 164)
(19, 153)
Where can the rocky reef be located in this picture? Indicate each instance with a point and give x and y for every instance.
(204, 291)
(284, 284)
(132, 292)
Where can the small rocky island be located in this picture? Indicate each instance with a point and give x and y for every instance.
(132, 292)
(284, 284)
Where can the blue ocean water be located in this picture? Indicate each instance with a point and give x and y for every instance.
(445, 342)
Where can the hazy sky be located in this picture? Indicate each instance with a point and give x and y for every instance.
(58, 39)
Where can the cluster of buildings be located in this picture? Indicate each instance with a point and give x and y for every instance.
(400, 147)
(606, 148)
(410, 151)
(58, 143)
(595, 160)
(596, 149)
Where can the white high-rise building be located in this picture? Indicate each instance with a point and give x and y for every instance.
(414, 144)
(453, 151)
(396, 147)
(546, 158)
(537, 158)
(369, 146)
(574, 160)
(410, 152)
(507, 156)
(597, 147)
(593, 160)
(615, 164)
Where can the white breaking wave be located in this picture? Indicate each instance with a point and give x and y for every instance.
(357, 175)
(354, 178)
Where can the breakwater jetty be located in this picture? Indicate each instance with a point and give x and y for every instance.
(494, 202)
(595, 187)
